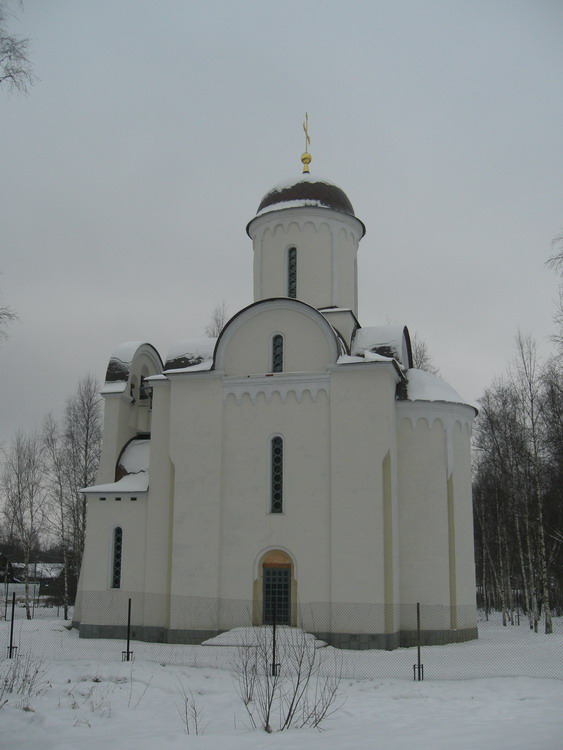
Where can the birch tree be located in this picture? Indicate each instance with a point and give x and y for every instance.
(528, 383)
(59, 500)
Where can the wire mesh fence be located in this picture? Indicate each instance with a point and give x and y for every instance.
(445, 653)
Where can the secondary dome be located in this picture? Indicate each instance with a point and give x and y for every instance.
(305, 191)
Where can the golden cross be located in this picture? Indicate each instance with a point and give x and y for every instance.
(306, 129)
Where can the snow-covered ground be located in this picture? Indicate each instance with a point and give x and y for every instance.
(503, 691)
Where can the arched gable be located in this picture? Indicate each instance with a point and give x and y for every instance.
(247, 343)
(129, 365)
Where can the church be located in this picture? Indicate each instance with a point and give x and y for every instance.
(297, 468)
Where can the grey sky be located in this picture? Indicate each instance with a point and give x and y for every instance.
(130, 171)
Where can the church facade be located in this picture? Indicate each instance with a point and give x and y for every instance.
(296, 468)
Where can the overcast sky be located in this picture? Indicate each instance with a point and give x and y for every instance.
(130, 171)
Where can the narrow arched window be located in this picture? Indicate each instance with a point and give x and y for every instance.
(277, 353)
(292, 272)
(117, 553)
(276, 502)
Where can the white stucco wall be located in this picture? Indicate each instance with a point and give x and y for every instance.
(160, 513)
(465, 548)
(436, 530)
(96, 572)
(195, 450)
(326, 243)
(248, 528)
(423, 512)
(363, 433)
(117, 431)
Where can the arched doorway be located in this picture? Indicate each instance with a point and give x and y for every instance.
(275, 590)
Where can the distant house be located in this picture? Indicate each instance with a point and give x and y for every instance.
(43, 579)
(6, 570)
(297, 468)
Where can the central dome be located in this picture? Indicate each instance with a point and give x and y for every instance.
(306, 191)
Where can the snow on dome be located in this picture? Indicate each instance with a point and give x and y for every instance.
(119, 367)
(284, 184)
(305, 191)
(423, 386)
(191, 353)
(389, 341)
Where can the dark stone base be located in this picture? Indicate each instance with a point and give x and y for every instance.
(357, 642)
(437, 637)
(361, 641)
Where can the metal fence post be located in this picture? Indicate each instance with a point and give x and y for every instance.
(127, 655)
(275, 665)
(418, 668)
(11, 648)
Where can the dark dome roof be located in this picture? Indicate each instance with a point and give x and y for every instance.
(306, 191)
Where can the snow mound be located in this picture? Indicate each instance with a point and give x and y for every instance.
(262, 635)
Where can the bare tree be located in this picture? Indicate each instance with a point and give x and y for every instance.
(299, 688)
(217, 322)
(82, 439)
(7, 316)
(15, 66)
(72, 456)
(421, 356)
(555, 261)
(517, 489)
(22, 484)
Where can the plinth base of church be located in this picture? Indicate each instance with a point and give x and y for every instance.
(351, 641)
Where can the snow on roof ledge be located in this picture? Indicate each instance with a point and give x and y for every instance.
(391, 341)
(118, 386)
(189, 354)
(128, 485)
(348, 359)
(423, 386)
(134, 461)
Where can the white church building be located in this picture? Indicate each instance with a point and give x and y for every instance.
(297, 467)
